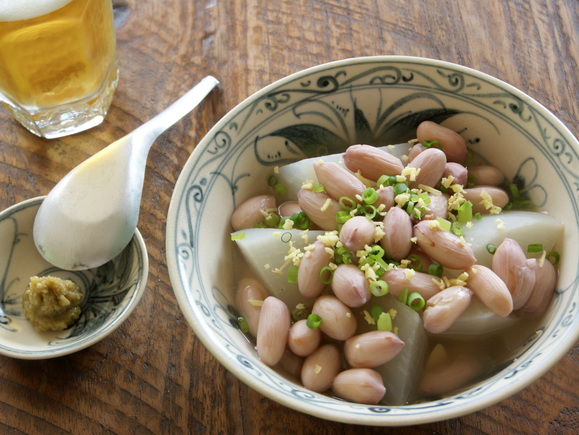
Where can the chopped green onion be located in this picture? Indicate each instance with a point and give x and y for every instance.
(465, 212)
(318, 188)
(444, 224)
(376, 252)
(415, 301)
(375, 311)
(281, 189)
(379, 288)
(469, 156)
(292, 274)
(370, 196)
(431, 143)
(400, 188)
(383, 181)
(243, 325)
(554, 257)
(435, 270)
(347, 203)
(286, 237)
(519, 200)
(535, 247)
(343, 216)
(491, 249)
(314, 321)
(326, 274)
(367, 210)
(470, 180)
(343, 256)
(278, 187)
(300, 221)
(478, 216)
(238, 236)
(415, 262)
(403, 297)
(384, 322)
(456, 229)
(299, 313)
(272, 220)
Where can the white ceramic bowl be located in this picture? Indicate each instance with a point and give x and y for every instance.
(376, 100)
(111, 292)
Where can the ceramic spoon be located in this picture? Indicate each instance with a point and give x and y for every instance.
(91, 215)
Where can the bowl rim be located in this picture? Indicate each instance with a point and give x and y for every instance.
(104, 330)
(228, 362)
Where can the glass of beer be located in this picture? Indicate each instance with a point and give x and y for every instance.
(58, 63)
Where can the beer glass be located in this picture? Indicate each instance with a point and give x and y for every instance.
(58, 63)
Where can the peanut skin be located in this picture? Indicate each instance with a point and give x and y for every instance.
(321, 367)
(372, 162)
(273, 330)
(359, 386)
(451, 143)
(443, 247)
(310, 285)
(249, 212)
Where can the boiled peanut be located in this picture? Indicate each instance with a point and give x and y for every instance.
(415, 150)
(420, 282)
(438, 207)
(372, 349)
(431, 163)
(457, 171)
(545, 282)
(321, 367)
(485, 175)
(490, 289)
(443, 246)
(310, 284)
(397, 233)
(288, 208)
(357, 232)
(452, 143)
(372, 162)
(249, 296)
(350, 285)
(479, 197)
(250, 212)
(292, 363)
(359, 386)
(510, 264)
(338, 181)
(273, 330)
(448, 377)
(320, 208)
(338, 321)
(444, 308)
(302, 339)
(385, 197)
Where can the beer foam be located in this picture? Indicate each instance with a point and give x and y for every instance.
(11, 10)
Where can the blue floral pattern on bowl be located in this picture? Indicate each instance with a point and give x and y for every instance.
(377, 100)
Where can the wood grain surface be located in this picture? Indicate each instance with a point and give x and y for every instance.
(153, 375)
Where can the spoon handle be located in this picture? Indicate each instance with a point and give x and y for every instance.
(149, 131)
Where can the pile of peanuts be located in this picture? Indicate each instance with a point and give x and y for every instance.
(316, 355)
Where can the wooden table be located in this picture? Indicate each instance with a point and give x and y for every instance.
(153, 375)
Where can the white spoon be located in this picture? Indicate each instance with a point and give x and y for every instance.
(91, 215)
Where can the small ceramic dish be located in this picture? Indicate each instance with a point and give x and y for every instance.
(377, 101)
(110, 292)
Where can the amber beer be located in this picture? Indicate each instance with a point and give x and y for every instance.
(58, 68)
